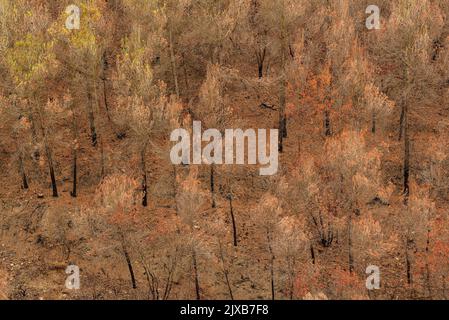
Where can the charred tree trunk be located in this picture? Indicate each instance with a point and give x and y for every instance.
(186, 78)
(312, 254)
(128, 261)
(153, 293)
(74, 170)
(48, 155)
(260, 55)
(175, 188)
(327, 124)
(408, 264)
(195, 270)
(283, 83)
(105, 66)
(73, 193)
(90, 111)
(22, 173)
(212, 185)
(350, 253)
(428, 281)
(234, 226)
(272, 258)
(52, 170)
(406, 172)
(225, 271)
(282, 116)
(144, 177)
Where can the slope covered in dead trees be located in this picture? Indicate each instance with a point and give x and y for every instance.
(85, 170)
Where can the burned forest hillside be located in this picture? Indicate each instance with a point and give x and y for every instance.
(118, 165)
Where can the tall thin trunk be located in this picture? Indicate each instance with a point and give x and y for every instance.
(175, 188)
(105, 66)
(74, 151)
(90, 111)
(173, 59)
(74, 170)
(225, 271)
(373, 127)
(327, 124)
(144, 177)
(195, 270)
(283, 82)
(312, 254)
(406, 172)
(48, 154)
(260, 55)
(272, 258)
(152, 293)
(350, 253)
(408, 262)
(291, 278)
(186, 80)
(234, 227)
(22, 173)
(129, 263)
(429, 284)
(282, 116)
(212, 185)
(52, 170)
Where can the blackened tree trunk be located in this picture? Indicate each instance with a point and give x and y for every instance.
(234, 226)
(212, 185)
(52, 170)
(225, 270)
(282, 117)
(144, 176)
(103, 78)
(272, 258)
(195, 271)
(428, 280)
(284, 126)
(175, 188)
(373, 127)
(90, 111)
(283, 84)
(73, 193)
(406, 172)
(128, 262)
(48, 154)
(350, 253)
(408, 265)
(260, 55)
(22, 173)
(327, 124)
(312, 254)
